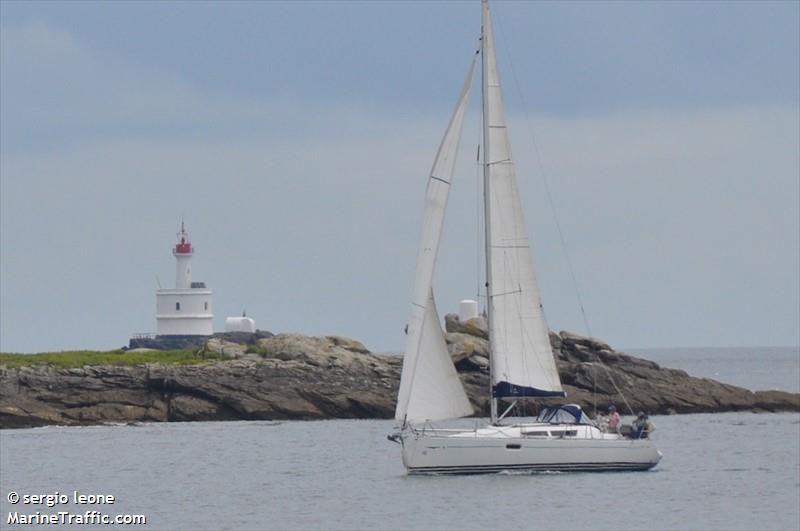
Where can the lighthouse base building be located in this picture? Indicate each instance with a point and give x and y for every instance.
(184, 312)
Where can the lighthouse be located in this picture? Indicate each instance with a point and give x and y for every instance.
(185, 310)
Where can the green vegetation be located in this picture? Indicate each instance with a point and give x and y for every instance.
(79, 358)
(255, 349)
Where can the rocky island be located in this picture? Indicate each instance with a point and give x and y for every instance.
(292, 376)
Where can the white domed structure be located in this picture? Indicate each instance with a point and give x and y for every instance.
(240, 324)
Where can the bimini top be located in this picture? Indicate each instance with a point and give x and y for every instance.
(567, 414)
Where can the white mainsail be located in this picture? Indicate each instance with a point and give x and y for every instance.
(522, 360)
(430, 388)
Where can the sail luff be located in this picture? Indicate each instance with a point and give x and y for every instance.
(445, 399)
(522, 362)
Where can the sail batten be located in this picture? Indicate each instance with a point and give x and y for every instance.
(430, 388)
(522, 362)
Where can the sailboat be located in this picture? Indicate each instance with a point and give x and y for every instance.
(522, 365)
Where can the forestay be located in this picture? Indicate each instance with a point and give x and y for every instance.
(430, 388)
(522, 360)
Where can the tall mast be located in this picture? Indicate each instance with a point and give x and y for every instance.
(485, 22)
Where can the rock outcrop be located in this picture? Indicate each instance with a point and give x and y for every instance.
(292, 376)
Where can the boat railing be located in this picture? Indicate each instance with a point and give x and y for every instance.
(433, 430)
(429, 429)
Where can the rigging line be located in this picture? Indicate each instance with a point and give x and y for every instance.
(621, 394)
(545, 182)
(594, 389)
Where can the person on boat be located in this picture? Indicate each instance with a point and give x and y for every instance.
(613, 418)
(642, 427)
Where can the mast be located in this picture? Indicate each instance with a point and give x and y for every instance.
(486, 200)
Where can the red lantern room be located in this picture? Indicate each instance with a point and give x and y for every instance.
(183, 246)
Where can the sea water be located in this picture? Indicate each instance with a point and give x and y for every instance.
(754, 368)
(719, 471)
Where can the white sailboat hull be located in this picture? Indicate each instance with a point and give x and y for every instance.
(502, 448)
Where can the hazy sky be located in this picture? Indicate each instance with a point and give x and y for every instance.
(296, 138)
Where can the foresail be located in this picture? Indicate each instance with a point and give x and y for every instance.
(522, 359)
(429, 386)
(436, 392)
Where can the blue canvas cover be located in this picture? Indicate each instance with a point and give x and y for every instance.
(567, 414)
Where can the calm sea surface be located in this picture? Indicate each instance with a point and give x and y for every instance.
(726, 471)
(754, 368)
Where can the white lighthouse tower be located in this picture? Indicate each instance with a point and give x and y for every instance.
(185, 310)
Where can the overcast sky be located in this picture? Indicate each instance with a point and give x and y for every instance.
(295, 139)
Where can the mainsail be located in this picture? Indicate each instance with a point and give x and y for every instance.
(522, 361)
(430, 388)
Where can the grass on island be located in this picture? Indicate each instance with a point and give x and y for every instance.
(79, 358)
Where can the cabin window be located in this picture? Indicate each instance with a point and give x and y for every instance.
(513, 446)
(535, 433)
(177, 306)
(205, 305)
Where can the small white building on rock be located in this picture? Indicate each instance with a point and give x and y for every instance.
(186, 310)
(240, 324)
